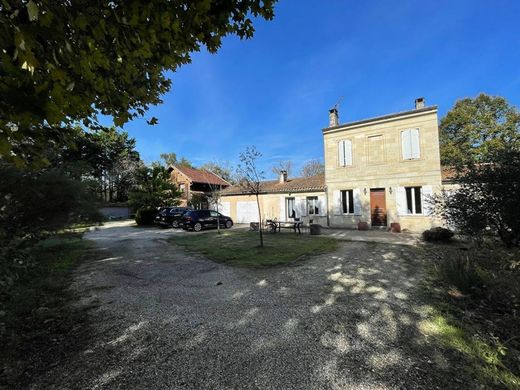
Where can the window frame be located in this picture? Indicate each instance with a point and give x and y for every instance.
(411, 193)
(347, 202)
(287, 199)
(409, 131)
(315, 203)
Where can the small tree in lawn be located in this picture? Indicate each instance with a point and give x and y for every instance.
(250, 179)
(215, 194)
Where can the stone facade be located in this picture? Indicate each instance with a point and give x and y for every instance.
(378, 157)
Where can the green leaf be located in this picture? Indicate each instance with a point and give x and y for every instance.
(32, 10)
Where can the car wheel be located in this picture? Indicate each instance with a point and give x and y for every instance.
(175, 224)
(229, 224)
(197, 227)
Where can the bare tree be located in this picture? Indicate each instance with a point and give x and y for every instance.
(282, 165)
(312, 168)
(251, 179)
(215, 192)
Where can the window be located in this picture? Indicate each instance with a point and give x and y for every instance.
(290, 211)
(410, 144)
(347, 201)
(345, 152)
(213, 213)
(181, 187)
(413, 200)
(312, 205)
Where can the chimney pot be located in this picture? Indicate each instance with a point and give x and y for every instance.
(419, 103)
(333, 117)
(283, 176)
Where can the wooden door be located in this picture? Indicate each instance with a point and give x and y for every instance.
(378, 206)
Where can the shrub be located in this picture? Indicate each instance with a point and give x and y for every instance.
(437, 234)
(145, 216)
(461, 271)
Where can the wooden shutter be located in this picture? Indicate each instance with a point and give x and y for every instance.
(322, 206)
(406, 144)
(341, 153)
(301, 206)
(336, 196)
(415, 148)
(357, 201)
(283, 206)
(348, 152)
(400, 196)
(426, 196)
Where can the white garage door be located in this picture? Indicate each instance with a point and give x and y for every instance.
(247, 212)
(225, 209)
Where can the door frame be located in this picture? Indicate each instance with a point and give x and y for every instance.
(385, 224)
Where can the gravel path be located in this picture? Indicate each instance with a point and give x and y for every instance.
(171, 320)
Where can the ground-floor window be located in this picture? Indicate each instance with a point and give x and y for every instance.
(290, 211)
(347, 201)
(413, 200)
(312, 205)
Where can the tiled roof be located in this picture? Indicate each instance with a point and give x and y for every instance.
(298, 184)
(202, 176)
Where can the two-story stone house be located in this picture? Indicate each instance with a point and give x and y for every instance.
(382, 170)
(379, 170)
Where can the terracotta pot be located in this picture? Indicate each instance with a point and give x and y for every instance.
(363, 226)
(395, 227)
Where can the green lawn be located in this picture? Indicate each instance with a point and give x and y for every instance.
(242, 248)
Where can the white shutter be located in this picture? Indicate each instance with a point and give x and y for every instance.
(348, 152)
(406, 144)
(400, 198)
(415, 148)
(426, 195)
(322, 209)
(341, 153)
(357, 201)
(336, 196)
(282, 216)
(301, 206)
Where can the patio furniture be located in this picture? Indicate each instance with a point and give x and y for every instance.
(276, 226)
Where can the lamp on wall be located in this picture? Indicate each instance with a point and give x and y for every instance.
(365, 191)
(390, 190)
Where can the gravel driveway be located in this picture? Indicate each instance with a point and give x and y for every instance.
(168, 319)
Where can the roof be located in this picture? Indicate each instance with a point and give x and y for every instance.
(382, 118)
(201, 176)
(297, 184)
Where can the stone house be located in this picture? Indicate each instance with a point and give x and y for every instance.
(194, 182)
(379, 171)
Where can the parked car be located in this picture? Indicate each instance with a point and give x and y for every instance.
(200, 219)
(170, 216)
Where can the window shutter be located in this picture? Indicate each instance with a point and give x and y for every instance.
(357, 201)
(301, 205)
(426, 195)
(322, 209)
(406, 144)
(348, 152)
(283, 212)
(336, 195)
(414, 143)
(341, 153)
(401, 201)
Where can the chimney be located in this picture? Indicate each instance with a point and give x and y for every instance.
(333, 117)
(419, 103)
(283, 176)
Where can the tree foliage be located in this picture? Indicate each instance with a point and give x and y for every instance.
(222, 169)
(171, 159)
(67, 61)
(153, 189)
(487, 199)
(312, 168)
(250, 179)
(475, 128)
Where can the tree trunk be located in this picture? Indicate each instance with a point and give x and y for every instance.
(259, 222)
(218, 220)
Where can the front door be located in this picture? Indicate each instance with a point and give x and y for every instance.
(378, 206)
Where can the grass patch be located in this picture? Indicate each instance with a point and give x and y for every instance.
(476, 294)
(242, 248)
(37, 319)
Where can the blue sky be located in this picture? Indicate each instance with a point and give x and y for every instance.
(274, 91)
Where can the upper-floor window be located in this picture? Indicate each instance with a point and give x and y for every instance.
(345, 153)
(182, 187)
(410, 144)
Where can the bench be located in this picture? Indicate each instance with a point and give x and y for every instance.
(274, 226)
